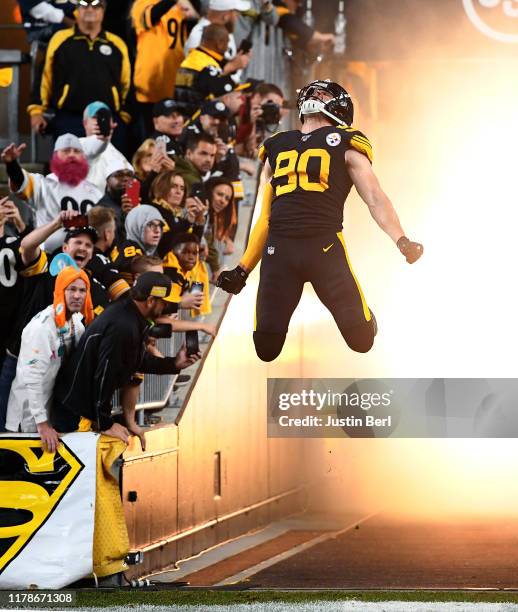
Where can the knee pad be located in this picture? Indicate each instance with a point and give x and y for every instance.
(268, 346)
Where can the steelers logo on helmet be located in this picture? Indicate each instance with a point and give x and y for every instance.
(328, 98)
(334, 139)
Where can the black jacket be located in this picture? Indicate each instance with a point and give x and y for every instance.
(110, 351)
(78, 70)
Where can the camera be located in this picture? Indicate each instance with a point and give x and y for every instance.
(170, 308)
(245, 46)
(271, 113)
(226, 132)
(161, 330)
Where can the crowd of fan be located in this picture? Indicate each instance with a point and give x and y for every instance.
(150, 234)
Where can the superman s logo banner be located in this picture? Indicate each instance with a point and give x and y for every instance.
(32, 484)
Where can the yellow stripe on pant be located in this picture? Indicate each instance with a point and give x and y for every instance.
(366, 310)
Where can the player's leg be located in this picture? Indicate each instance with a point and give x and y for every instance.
(339, 290)
(280, 288)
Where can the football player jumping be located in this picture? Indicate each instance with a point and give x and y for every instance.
(309, 174)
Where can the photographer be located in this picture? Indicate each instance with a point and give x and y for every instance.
(109, 353)
(260, 117)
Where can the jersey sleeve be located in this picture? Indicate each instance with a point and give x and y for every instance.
(31, 189)
(361, 143)
(141, 15)
(262, 153)
(36, 267)
(104, 271)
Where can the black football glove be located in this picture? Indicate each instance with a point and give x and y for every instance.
(411, 250)
(232, 281)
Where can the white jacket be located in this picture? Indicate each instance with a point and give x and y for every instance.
(42, 350)
(100, 155)
(47, 197)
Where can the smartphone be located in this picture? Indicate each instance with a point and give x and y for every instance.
(161, 146)
(133, 191)
(192, 343)
(78, 221)
(104, 121)
(196, 288)
(198, 191)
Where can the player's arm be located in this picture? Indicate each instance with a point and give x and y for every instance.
(234, 280)
(254, 249)
(380, 206)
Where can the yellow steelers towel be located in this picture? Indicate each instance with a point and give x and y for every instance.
(111, 542)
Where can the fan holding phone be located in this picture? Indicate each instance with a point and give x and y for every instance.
(99, 125)
(122, 193)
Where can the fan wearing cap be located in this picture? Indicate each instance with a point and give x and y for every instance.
(214, 119)
(83, 63)
(168, 120)
(109, 353)
(225, 13)
(47, 340)
(66, 188)
(98, 148)
(118, 176)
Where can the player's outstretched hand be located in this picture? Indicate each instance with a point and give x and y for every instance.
(232, 281)
(411, 250)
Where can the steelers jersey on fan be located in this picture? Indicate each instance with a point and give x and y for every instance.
(310, 181)
(10, 278)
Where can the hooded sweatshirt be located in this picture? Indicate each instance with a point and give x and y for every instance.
(136, 222)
